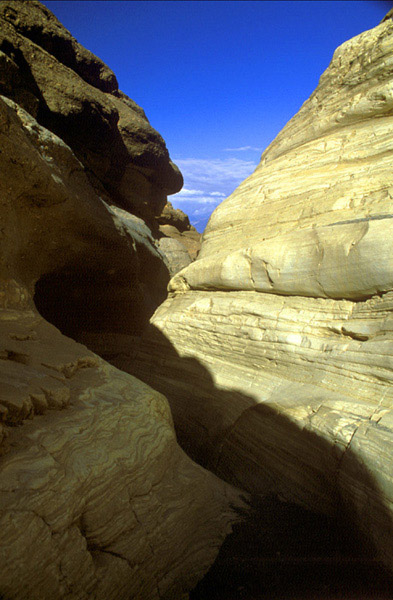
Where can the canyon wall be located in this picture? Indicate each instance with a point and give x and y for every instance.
(110, 161)
(275, 347)
(97, 500)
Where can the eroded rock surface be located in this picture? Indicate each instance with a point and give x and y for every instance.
(80, 161)
(179, 241)
(75, 95)
(275, 347)
(97, 500)
(85, 260)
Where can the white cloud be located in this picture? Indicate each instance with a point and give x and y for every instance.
(221, 175)
(186, 192)
(204, 210)
(196, 199)
(187, 195)
(243, 149)
(207, 182)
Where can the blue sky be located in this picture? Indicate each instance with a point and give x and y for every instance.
(217, 79)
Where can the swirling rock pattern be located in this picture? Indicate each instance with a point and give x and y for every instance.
(275, 347)
(97, 500)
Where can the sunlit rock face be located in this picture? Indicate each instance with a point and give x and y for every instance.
(275, 347)
(97, 500)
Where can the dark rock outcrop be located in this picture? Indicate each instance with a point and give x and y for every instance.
(97, 500)
(76, 145)
(75, 95)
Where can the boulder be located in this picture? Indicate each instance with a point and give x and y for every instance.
(178, 241)
(175, 253)
(275, 346)
(175, 217)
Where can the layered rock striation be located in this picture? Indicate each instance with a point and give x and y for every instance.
(275, 347)
(97, 500)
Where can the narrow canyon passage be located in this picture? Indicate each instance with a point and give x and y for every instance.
(156, 393)
(279, 550)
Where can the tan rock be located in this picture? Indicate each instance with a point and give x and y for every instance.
(174, 225)
(96, 497)
(275, 348)
(175, 254)
(85, 261)
(190, 238)
(175, 217)
(97, 500)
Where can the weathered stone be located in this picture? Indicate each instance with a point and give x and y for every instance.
(35, 22)
(97, 500)
(97, 262)
(174, 223)
(275, 348)
(75, 95)
(175, 253)
(190, 239)
(178, 241)
(175, 217)
(96, 497)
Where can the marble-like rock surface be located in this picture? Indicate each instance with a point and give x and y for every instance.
(97, 500)
(275, 347)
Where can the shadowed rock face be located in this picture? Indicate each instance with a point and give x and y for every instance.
(97, 500)
(78, 155)
(75, 95)
(84, 260)
(275, 346)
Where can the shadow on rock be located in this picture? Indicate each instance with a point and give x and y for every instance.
(304, 534)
